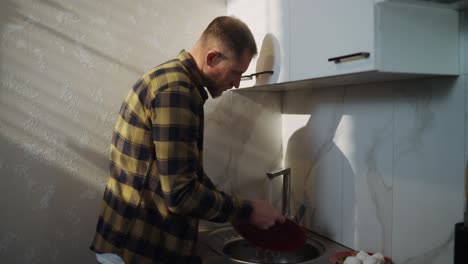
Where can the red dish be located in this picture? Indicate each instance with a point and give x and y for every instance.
(281, 237)
(335, 258)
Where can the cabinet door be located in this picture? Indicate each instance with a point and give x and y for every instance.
(464, 40)
(269, 22)
(324, 29)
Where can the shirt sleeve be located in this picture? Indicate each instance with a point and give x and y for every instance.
(175, 122)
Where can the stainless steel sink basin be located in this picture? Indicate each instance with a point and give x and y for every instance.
(226, 242)
(239, 249)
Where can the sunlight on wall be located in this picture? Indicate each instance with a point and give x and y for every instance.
(291, 123)
(345, 141)
(344, 136)
(65, 67)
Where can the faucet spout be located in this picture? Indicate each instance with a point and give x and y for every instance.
(285, 207)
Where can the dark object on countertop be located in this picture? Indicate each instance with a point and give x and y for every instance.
(461, 244)
(245, 252)
(281, 237)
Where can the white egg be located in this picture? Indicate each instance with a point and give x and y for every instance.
(362, 255)
(380, 257)
(371, 260)
(352, 260)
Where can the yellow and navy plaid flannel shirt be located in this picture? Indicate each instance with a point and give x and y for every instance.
(157, 188)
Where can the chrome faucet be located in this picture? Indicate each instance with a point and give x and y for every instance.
(285, 207)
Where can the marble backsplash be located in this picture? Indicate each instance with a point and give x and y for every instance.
(380, 166)
(243, 142)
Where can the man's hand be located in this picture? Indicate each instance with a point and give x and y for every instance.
(264, 215)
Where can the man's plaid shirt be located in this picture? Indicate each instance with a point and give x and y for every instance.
(157, 189)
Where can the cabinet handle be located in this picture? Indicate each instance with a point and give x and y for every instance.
(255, 74)
(359, 55)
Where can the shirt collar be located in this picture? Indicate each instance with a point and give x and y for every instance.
(186, 59)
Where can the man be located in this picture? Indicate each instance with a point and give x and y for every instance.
(157, 188)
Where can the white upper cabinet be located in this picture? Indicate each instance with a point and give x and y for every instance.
(464, 41)
(324, 29)
(269, 22)
(371, 40)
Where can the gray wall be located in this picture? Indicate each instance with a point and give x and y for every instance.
(65, 67)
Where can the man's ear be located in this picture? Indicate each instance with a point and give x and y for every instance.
(213, 57)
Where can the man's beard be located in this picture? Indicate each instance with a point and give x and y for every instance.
(214, 93)
(214, 89)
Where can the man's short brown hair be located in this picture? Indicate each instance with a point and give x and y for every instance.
(233, 33)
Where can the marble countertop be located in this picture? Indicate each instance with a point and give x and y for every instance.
(211, 256)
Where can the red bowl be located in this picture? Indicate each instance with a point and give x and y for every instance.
(343, 254)
(281, 237)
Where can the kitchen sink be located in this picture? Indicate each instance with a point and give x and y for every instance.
(239, 249)
(227, 242)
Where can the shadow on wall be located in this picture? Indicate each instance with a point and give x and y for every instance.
(316, 163)
(48, 211)
(65, 68)
(50, 180)
(66, 36)
(6, 15)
